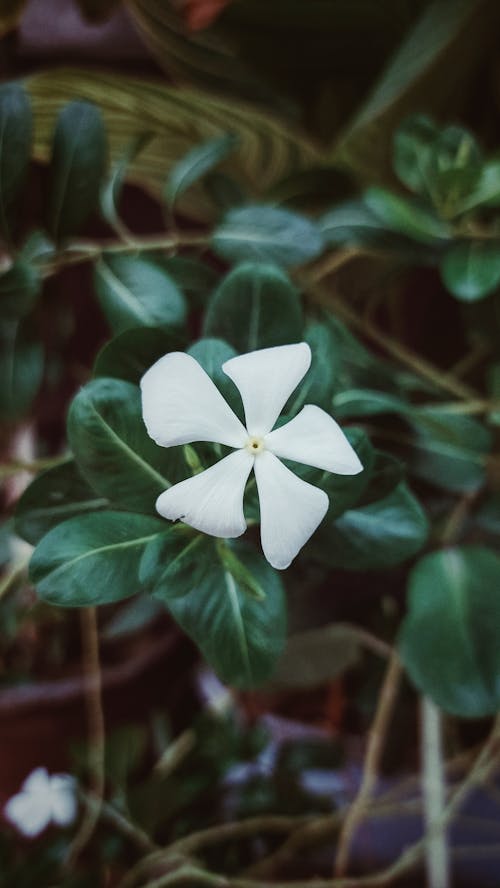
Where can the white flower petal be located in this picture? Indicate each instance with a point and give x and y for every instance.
(266, 379)
(63, 801)
(181, 404)
(290, 510)
(213, 500)
(315, 439)
(28, 812)
(37, 781)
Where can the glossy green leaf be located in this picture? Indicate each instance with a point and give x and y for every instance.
(128, 355)
(76, 168)
(453, 168)
(367, 402)
(211, 354)
(199, 161)
(413, 140)
(111, 190)
(224, 191)
(486, 189)
(134, 291)
(16, 126)
(240, 635)
(112, 448)
(255, 306)
(471, 269)
(196, 279)
(134, 615)
(22, 362)
(52, 497)
(386, 473)
(379, 535)
(406, 216)
(175, 563)
(450, 450)
(92, 559)
(318, 383)
(353, 223)
(450, 638)
(267, 234)
(19, 290)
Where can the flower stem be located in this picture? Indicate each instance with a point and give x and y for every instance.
(433, 791)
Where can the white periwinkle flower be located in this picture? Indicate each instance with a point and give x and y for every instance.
(182, 405)
(42, 800)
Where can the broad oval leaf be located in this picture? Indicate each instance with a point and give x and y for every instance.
(77, 166)
(471, 269)
(211, 354)
(199, 161)
(111, 190)
(267, 234)
(53, 497)
(175, 563)
(379, 535)
(19, 290)
(406, 216)
(128, 355)
(449, 450)
(92, 559)
(318, 383)
(255, 306)
(134, 291)
(240, 635)
(450, 638)
(112, 448)
(412, 144)
(16, 129)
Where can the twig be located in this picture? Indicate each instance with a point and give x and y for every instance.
(115, 818)
(433, 792)
(376, 739)
(96, 733)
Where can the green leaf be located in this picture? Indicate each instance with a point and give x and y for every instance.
(436, 59)
(175, 563)
(240, 636)
(21, 368)
(92, 559)
(453, 169)
(178, 119)
(134, 291)
(112, 448)
(110, 192)
(16, 126)
(378, 535)
(486, 189)
(224, 191)
(386, 473)
(450, 638)
(211, 354)
(76, 168)
(318, 383)
(54, 496)
(267, 234)
(413, 140)
(471, 269)
(352, 223)
(135, 615)
(19, 290)
(255, 306)
(128, 355)
(315, 657)
(199, 161)
(487, 516)
(194, 278)
(367, 402)
(406, 216)
(450, 450)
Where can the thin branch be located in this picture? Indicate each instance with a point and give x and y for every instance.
(96, 732)
(433, 792)
(376, 740)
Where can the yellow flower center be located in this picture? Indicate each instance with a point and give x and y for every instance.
(255, 445)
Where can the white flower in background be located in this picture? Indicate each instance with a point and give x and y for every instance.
(41, 801)
(181, 405)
